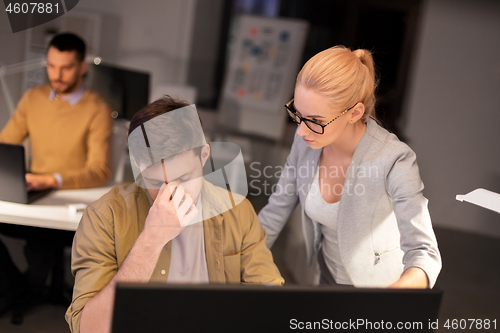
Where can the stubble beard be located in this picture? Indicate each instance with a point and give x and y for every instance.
(69, 89)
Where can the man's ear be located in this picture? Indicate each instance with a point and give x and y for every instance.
(205, 154)
(83, 68)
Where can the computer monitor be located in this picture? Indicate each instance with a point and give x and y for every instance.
(241, 308)
(126, 90)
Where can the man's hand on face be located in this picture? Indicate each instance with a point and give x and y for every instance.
(40, 182)
(171, 212)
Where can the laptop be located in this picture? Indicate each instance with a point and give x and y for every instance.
(241, 308)
(12, 176)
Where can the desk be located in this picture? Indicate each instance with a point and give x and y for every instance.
(57, 210)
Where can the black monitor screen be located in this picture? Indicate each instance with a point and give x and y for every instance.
(127, 91)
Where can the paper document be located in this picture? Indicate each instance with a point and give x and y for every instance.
(483, 198)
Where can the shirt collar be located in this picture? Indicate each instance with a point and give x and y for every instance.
(72, 98)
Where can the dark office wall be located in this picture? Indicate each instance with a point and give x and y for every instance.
(385, 27)
(204, 50)
(453, 109)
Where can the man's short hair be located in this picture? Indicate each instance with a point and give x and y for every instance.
(173, 135)
(67, 42)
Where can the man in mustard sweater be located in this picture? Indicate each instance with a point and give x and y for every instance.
(69, 128)
(68, 125)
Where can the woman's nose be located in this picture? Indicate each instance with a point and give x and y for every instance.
(303, 129)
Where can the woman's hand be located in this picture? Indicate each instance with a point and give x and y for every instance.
(413, 277)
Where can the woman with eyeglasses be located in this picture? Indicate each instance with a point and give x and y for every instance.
(363, 212)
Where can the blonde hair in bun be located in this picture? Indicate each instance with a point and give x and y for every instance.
(343, 76)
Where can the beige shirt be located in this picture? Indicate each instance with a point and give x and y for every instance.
(187, 257)
(235, 246)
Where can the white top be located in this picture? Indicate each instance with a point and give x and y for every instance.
(188, 263)
(326, 215)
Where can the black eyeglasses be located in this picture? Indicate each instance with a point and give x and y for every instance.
(311, 124)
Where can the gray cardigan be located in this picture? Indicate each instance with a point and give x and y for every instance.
(384, 226)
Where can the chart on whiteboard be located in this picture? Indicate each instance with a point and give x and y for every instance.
(263, 61)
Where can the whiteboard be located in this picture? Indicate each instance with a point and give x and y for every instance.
(263, 65)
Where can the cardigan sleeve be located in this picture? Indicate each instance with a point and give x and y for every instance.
(404, 185)
(284, 199)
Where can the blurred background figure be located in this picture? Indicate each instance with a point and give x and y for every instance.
(69, 128)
